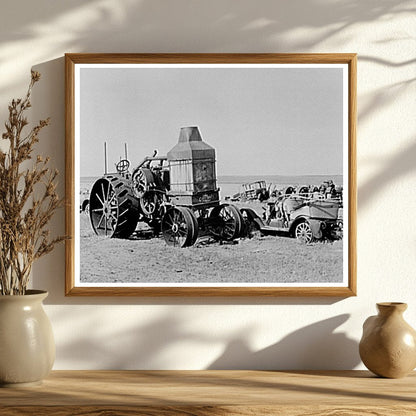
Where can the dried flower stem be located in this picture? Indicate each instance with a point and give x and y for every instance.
(23, 217)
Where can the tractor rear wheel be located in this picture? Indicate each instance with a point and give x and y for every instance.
(113, 209)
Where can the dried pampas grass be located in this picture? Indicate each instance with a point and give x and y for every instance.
(28, 198)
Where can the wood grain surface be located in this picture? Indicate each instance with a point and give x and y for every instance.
(202, 393)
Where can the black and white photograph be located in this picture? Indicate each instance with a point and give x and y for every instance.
(211, 175)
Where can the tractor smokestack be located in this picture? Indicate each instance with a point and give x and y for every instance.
(190, 134)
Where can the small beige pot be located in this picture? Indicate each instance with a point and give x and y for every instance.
(388, 344)
(27, 347)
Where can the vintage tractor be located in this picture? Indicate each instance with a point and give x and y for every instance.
(305, 218)
(176, 195)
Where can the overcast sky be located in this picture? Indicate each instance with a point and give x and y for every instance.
(266, 121)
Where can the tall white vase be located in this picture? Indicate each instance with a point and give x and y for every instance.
(27, 347)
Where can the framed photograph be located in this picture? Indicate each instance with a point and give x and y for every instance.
(211, 174)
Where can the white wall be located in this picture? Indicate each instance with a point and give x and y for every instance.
(200, 333)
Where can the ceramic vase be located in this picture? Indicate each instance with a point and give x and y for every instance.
(27, 347)
(388, 345)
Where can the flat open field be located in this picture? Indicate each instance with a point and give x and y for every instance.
(268, 259)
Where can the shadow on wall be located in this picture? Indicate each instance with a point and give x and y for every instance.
(313, 347)
(150, 22)
(48, 100)
(142, 347)
(153, 344)
(132, 26)
(391, 170)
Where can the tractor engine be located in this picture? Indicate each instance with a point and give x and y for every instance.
(193, 179)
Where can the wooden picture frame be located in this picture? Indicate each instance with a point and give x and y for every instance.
(209, 83)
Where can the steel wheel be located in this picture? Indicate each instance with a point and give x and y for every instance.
(196, 227)
(303, 232)
(340, 226)
(240, 220)
(143, 181)
(149, 202)
(140, 182)
(178, 227)
(113, 211)
(226, 222)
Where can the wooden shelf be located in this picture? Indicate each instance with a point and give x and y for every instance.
(203, 393)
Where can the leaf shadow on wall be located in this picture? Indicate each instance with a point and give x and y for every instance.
(313, 347)
(397, 166)
(132, 26)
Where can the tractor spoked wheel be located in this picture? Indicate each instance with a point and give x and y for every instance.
(196, 226)
(226, 222)
(303, 232)
(178, 227)
(113, 209)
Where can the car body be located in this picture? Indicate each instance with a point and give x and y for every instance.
(307, 219)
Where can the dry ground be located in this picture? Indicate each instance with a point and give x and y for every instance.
(265, 260)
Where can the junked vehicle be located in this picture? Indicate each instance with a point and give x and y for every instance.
(307, 219)
(253, 190)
